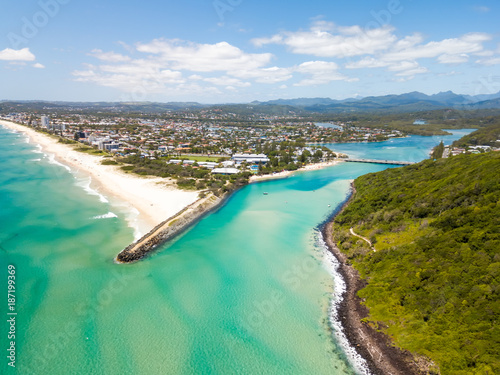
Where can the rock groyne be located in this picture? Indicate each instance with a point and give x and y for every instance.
(169, 228)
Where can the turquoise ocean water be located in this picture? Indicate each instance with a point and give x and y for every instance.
(248, 290)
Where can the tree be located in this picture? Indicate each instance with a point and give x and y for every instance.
(437, 153)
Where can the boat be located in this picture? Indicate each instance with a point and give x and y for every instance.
(265, 193)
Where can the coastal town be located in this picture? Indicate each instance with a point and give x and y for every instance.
(192, 146)
(211, 149)
(203, 132)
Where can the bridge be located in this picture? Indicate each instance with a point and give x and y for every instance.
(393, 162)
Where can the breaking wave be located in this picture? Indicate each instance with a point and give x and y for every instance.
(339, 287)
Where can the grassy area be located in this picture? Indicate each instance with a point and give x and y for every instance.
(109, 162)
(91, 151)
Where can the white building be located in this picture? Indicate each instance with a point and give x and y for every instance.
(250, 158)
(45, 122)
(226, 171)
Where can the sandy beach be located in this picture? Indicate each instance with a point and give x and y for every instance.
(150, 196)
(285, 174)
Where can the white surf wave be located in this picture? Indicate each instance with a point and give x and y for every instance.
(131, 213)
(52, 160)
(339, 287)
(132, 218)
(109, 215)
(85, 184)
(38, 149)
(133, 222)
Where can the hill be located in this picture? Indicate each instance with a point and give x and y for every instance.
(433, 281)
(487, 136)
(409, 102)
(401, 103)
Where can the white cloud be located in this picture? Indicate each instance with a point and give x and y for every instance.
(468, 43)
(195, 77)
(23, 54)
(453, 59)
(321, 25)
(452, 73)
(38, 66)
(490, 61)
(265, 75)
(380, 47)
(227, 81)
(133, 75)
(400, 68)
(407, 69)
(325, 40)
(367, 62)
(161, 65)
(485, 53)
(17, 63)
(204, 57)
(320, 72)
(108, 56)
(275, 39)
(179, 66)
(408, 42)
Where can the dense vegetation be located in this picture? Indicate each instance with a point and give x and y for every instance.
(190, 177)
(435, 120)
(437, 152)
(433, 281)
(487, 136)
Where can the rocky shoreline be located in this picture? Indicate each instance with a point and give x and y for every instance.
(374, 346)
(170, 228)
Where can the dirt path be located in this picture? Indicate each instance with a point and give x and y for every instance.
(363, 238)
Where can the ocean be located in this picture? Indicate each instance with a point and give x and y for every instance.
(248, 290)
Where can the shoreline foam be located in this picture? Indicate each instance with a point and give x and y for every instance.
(357, 361)
(149, 195)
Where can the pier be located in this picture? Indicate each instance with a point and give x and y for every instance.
(373, 161)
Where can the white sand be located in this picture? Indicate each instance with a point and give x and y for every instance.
(154, 201)
(285, 174)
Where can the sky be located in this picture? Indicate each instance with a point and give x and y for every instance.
(235, 51)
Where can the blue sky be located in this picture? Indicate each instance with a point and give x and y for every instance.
(215, 51)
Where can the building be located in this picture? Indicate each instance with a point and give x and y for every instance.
(226, 171)
(111, 146)
(250, 158)
(45, 122)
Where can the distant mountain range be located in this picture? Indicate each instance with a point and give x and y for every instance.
(413, 101)
(409, 102)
